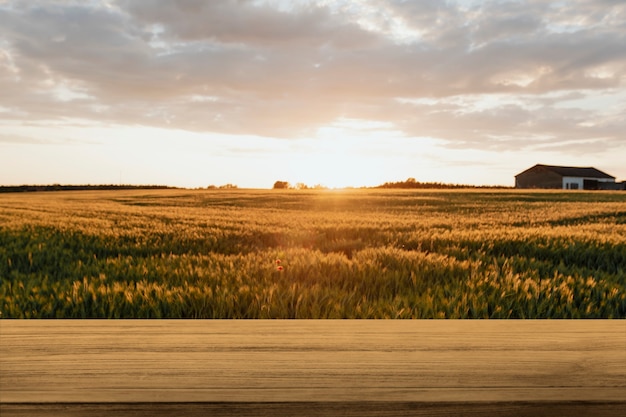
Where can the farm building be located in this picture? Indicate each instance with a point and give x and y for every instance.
(566, 178)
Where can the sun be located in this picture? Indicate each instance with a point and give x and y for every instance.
(346, 153)
(336, 164)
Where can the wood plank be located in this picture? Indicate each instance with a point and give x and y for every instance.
(337, 364)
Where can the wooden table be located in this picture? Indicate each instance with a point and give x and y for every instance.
(312, 367)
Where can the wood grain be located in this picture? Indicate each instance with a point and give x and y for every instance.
(315, 409)
(229, 367)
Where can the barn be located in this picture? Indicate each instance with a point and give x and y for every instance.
(566, 178)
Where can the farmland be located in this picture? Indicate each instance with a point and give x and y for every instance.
(313, 254)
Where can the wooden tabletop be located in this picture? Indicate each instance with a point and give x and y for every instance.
(311, 367)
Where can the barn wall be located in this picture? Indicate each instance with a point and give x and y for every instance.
(573, 183)
(580, 183)
(539, 177)
(612, 185)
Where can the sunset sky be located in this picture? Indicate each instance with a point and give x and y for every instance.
(333, 92)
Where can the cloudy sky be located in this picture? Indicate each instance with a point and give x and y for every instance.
(333, 92)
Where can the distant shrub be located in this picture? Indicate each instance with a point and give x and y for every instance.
(281, 185)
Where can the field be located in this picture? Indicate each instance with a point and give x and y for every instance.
(313, 254)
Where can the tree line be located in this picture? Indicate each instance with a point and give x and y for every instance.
(408, 183)
(413, 183)
(284, 185)
(60, 187)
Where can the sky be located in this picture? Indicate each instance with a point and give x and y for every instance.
(332, 92)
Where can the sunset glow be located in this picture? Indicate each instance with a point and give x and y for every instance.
(331, 92)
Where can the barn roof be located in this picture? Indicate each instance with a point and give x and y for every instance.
(587, 172)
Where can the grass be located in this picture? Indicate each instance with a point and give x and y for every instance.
(343, 254)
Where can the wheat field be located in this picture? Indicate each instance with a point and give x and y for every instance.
(360, 253)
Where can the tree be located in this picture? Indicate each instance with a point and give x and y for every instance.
(281, 185)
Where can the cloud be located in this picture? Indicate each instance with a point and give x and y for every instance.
(248, 23)
(15, 139)
(285, 69)
(21, 140)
